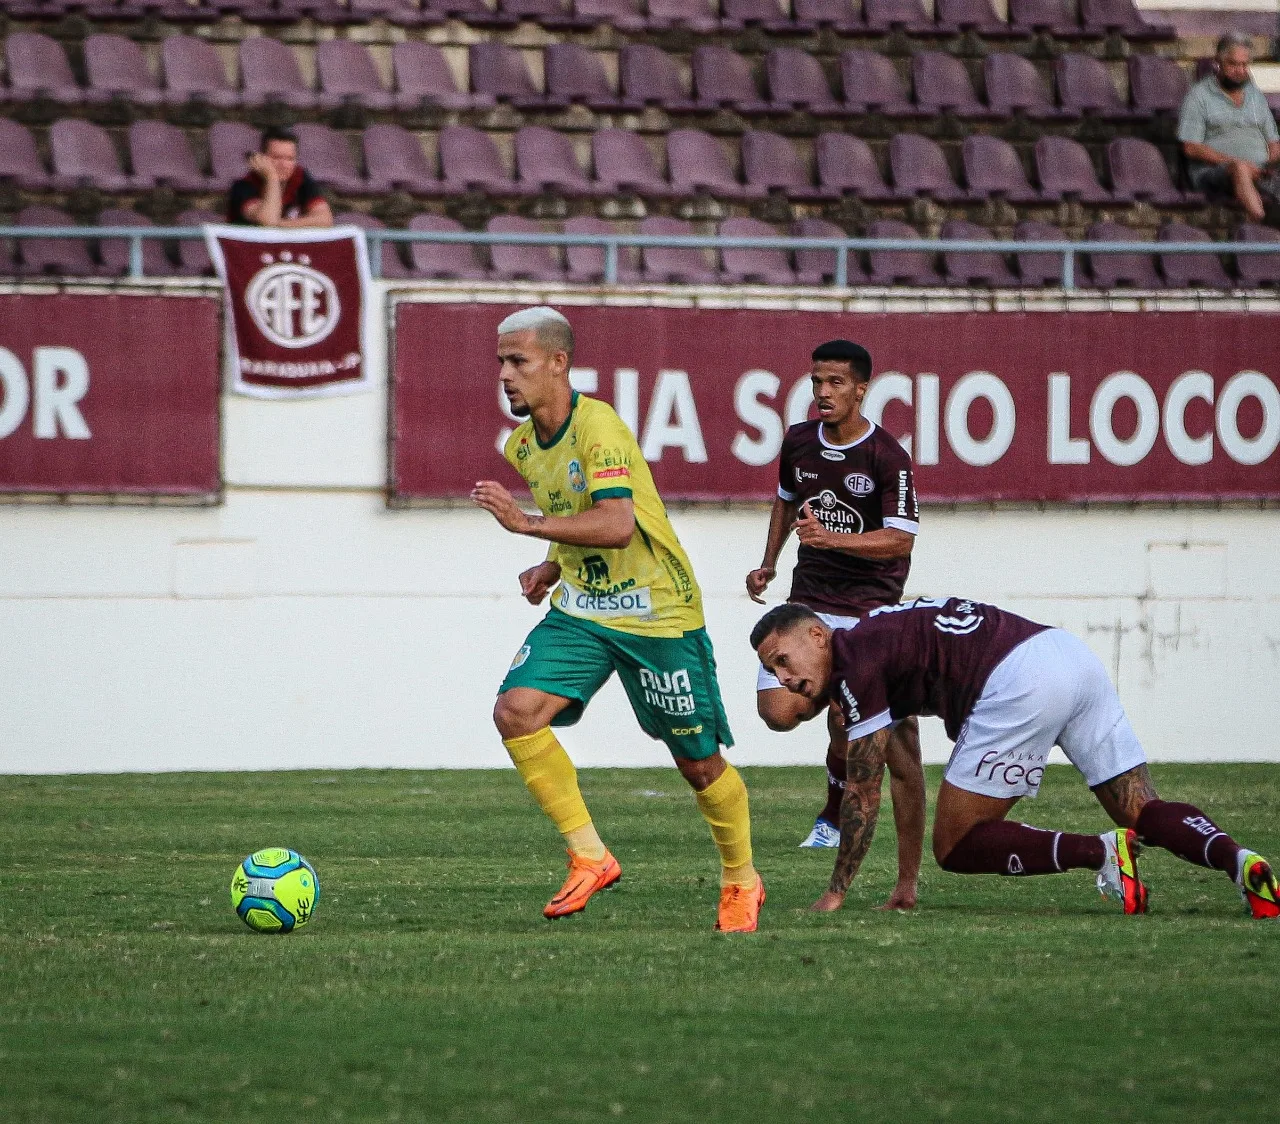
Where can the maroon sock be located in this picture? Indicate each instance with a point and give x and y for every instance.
(836, 768)
(1189, 834)
(1002, 847)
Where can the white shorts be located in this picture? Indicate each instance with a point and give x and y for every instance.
(767, 681)
(1050, 690)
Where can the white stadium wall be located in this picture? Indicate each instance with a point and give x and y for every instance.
(304, 624)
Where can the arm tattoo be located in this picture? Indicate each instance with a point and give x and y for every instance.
(861, 805)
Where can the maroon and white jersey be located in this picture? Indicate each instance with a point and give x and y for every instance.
(865, 486)
(928, 656)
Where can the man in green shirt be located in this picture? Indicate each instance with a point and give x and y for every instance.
(1227, 130)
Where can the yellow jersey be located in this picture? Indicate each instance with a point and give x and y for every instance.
(646, 587)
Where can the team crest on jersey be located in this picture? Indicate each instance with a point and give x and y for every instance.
(859, 484)
(836, 515)
(577, 480)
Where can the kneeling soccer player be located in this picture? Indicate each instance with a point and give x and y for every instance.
(1008, 691)
(625, 600)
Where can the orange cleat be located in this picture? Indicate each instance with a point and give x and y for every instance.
(740, 907)
(1258, 886)
(586, 876)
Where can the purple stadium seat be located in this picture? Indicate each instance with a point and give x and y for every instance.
(469, 160)
(899, 267)
(522, 263)
(401, 13)
(1054, 16)
(576, 74)
(586, 263)
(972, 15)
(228, 143)
(347, 72)
(270, 73)
(771, 162)
(753, 266)
(1112, 270)
(390, 264)
(162, 153)
(83, 154)
(797, 81)
(545, 161)
(649, 76)
(115, 251)
(885, 15)
(1158, 85)
(971, 267)
(439, 261)
(722, 77)
(194, 70)
(37, 67)
(623, 163)
(116, 67)
(20, 162)
(696, 15)
(424, 78)
(1124, 17)
(396, 161)
(1085, 85)
(1015, 85)
(680, 265)
(1040, 269)
(548, 13)
(1190, 271)
(66, 257)
(698, 163)
(625, 15)
(818, 267)
(500, 71)
(325, 153)
(193, 253)
(1257, 270)
(993, 168)
(872, 85)
(1065, 171)
(766, 14)
(841, 15)
(920, 168)
(1138, 171)
(474, 12)
(847, 166)
(942, 83)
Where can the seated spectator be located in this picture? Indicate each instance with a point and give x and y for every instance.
(1228, 133)
(278, 191)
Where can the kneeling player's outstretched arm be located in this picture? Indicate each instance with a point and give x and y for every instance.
(859, 811)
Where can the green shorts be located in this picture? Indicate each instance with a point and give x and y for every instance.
(671, 681)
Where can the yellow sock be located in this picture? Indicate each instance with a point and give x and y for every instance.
(723, 804)
(548, 773)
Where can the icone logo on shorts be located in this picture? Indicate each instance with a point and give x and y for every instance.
(292, 304)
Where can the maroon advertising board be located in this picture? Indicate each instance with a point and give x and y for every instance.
(112, 394)
(1033, 406)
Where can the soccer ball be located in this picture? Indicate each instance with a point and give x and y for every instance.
(275, 890)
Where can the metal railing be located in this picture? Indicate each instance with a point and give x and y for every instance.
(612, 244)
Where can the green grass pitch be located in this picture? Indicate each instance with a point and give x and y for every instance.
(428, 986)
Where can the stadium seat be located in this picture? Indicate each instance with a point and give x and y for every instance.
(680, 265)
(441, 261)
(270, 73)
(399, 13)
(37, 67)
(1053, 16)
(193, 253)
(698, 163)
(818, 267)
(395, 161)
(696, 15)
(1157, 85)
(1138, 171)
(919, 167)
(83, 155)
(1066, 171)
(1014, 85)
(649, 76)
(499, 70)
(469, 160)
(753, 266)
(625, 15)
(955, 16)
(20, 162)
(474, 12)
(1037, 270)
(115, 251)
(765, 14)
(899, 267)
(993, 169)
(770, 162)
(116, 68)
(1190, 271)
(229, 141)
(347, 72)
(624, 163)
(65, 257)
(797, 81)
(942, 84)
(325, 153)
(423, 77)
(1113, 270)
(585, 264)
(1122, 16)
(389, 264)
(1257, 270)
(546, 161)
(847, 166)
(193, 71)
(161, 153)
(553, 14)
(1084, 85)
(723, 79)
(839, 15)
(521, 263)
(576, 74)
(872, 85)
(909, 15)
(973, 267)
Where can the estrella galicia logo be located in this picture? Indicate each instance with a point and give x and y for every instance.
(593, 570)
(577, 481)
(859, 484)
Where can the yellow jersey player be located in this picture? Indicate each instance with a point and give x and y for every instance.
(624, 599)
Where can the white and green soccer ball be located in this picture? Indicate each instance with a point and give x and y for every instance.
(275, 890)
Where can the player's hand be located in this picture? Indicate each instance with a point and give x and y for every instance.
(537, 581)
(758, 580)
(809, 531)
(828, 903)
(501, 504)
(260, 164)
(903, 897)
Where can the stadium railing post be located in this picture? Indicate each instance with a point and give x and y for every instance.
(1069, 270)
(611, 262)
